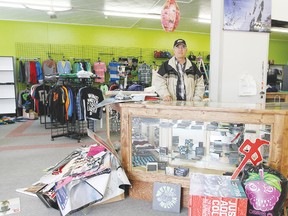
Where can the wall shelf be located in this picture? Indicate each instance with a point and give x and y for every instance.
(7, 85)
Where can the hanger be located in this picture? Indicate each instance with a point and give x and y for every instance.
(27, 89)
(50, 57)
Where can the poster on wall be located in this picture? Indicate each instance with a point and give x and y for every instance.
(247, 15)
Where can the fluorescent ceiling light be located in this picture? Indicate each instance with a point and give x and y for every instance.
(278, 29)
(45, 5)
(201, 20)
(11, 5)
(136, 9)
(49, 5)
(133, 15)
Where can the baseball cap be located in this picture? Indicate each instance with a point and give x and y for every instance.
(179, 41)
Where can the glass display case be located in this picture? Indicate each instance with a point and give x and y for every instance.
(167, 141)
(179, 147)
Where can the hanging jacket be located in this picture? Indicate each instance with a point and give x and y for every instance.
(63, 67)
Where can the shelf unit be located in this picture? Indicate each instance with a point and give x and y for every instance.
(7, 85)
(277, 76)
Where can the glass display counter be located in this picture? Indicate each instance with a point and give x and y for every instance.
(179, 147)
(166, 141)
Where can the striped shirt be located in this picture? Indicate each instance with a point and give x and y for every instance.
(181, 92)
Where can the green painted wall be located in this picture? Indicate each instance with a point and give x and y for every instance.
(278, 51)
(26, 32)
(13, 32)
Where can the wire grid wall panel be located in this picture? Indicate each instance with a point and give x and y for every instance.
(32, 51)
(71, 52)
(93, 53)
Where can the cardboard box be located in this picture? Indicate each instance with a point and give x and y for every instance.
(33, 115)
(214, 195)
(24, 113)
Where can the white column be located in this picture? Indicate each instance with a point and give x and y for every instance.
(216, 44)
(279, 10)
(233, 55)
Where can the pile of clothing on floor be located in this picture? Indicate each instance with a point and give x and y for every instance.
(4, 120)
(88, 175)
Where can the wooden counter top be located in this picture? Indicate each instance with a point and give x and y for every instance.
(277, 96)
(280, 108)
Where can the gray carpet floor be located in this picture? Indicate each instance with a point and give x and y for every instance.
(26, 149)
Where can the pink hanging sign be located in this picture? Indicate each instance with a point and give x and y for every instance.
(170, 16)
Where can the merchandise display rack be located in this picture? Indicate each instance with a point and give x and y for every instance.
(74, 129)
(45, 118)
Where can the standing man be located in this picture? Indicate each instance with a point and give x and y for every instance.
(178, 78)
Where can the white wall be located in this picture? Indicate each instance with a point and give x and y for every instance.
(279, 10)
(244, 53)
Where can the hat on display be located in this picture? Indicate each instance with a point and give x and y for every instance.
(179, 41)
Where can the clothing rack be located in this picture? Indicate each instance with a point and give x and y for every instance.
(35, 74)
(75, 81)
(73, 127)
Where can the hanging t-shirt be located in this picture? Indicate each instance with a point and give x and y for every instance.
(57, 104)
(22, 75)
(100, 70)
(145, 74)
(113, 71)
(40, 95)
(27, 71)
(90, 97)
(121, 70)
(33, 73)
(49, 67)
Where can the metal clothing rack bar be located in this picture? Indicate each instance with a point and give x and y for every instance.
(81, 59)
(55, 53)
(28, 59)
